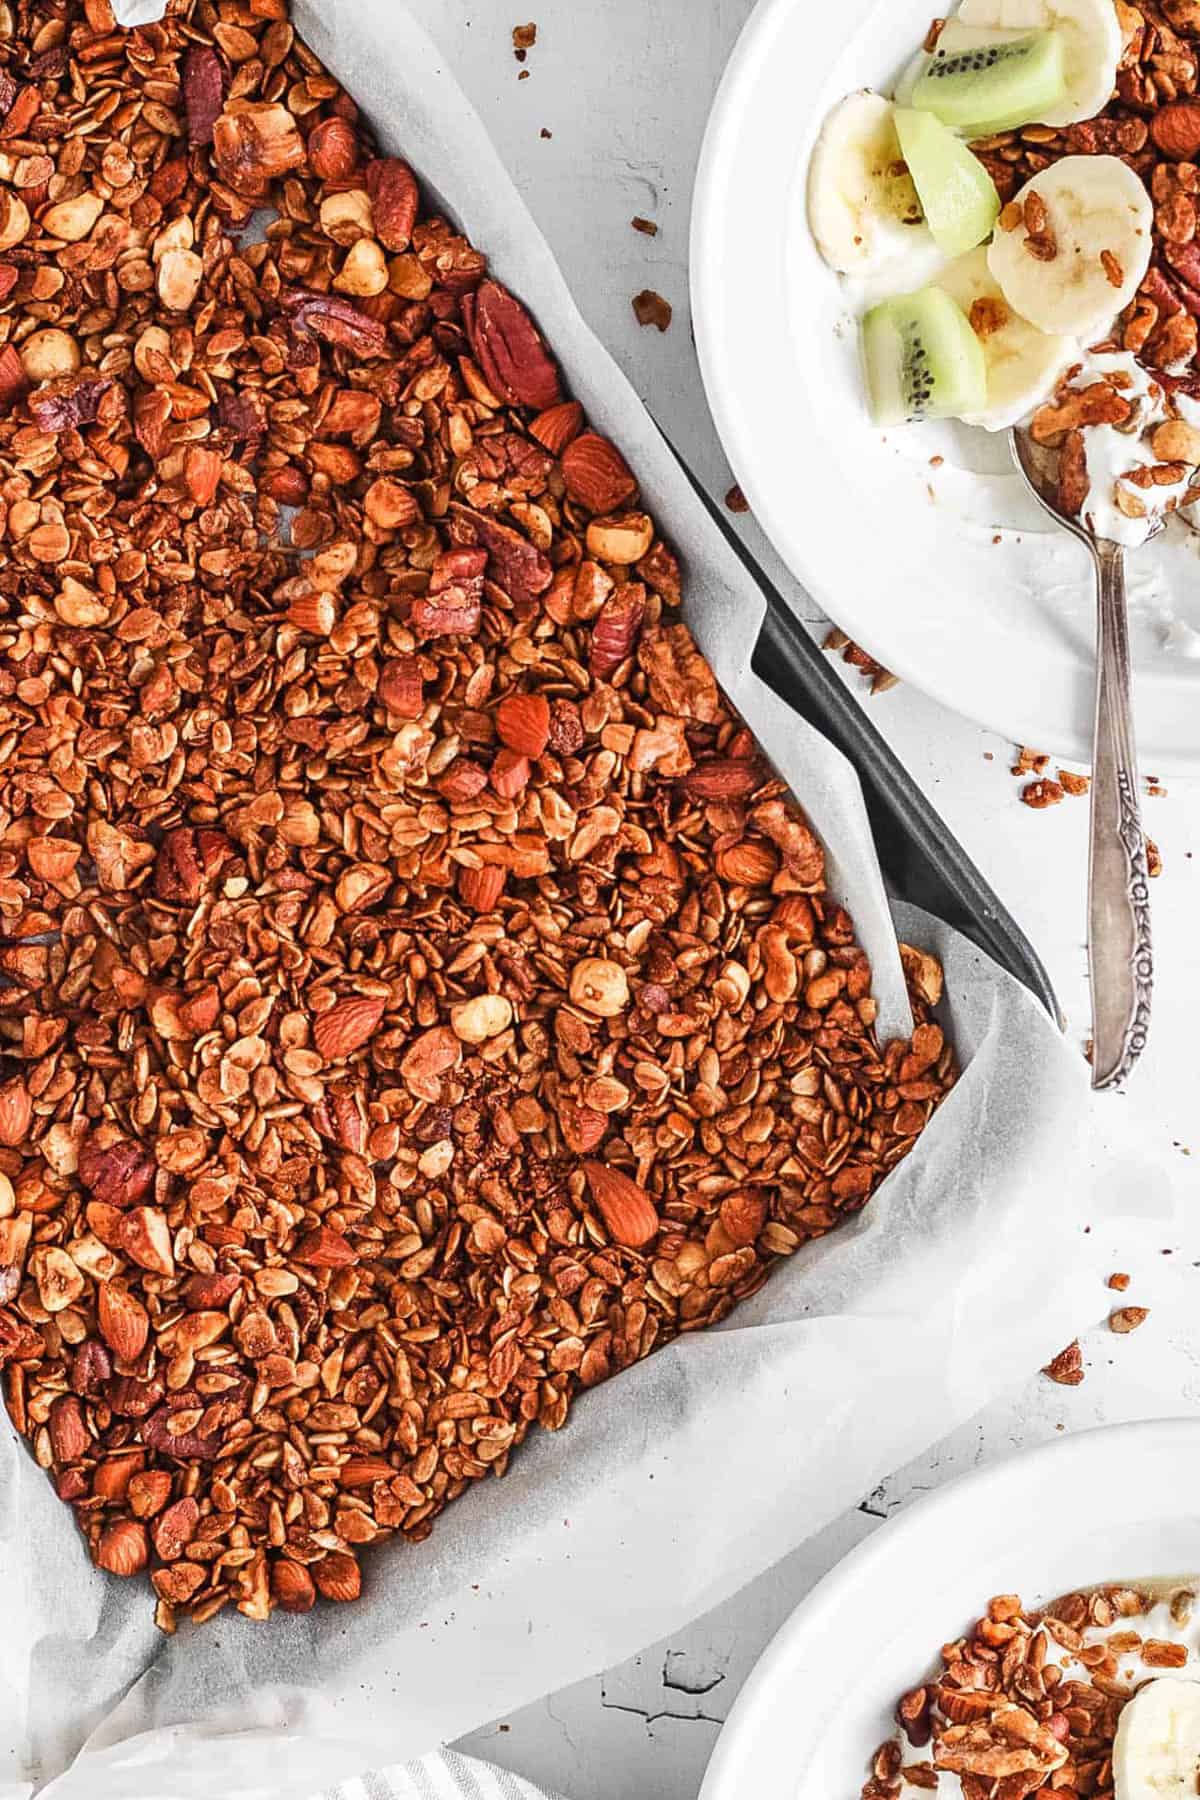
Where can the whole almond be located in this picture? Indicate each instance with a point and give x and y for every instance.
(362, 1471)
(338, 1576)
(558, 426)
(325, 1249)
(596, 474)
(123, 1549)
(292, 1586)
(627, 1210)
(124, 1321)
(523, 722)
(347, 1027)
(149, 1492)
(69, 1438)
(176, 1528)
(481, 888)
(748, 864)
(722, 778)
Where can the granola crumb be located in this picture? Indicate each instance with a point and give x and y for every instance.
(1154, 862)
(647, 227)
(545, 133)
(1040, 794)
(1030, 762)
(524, 37)
(1119, 1282)
(1074, 784)
(652, 309)
(524, 75)
(1127, 1319)
(1067, 1367)
(737, 502)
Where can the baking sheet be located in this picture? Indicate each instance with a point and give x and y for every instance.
(687, 1475)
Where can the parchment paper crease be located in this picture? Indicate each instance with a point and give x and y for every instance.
(679, 1481)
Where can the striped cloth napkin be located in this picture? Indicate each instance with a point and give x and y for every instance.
(444, 1775)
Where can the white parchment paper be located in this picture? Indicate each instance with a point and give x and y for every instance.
(683, 1478)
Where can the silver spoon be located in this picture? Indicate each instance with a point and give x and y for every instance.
(1120, 957)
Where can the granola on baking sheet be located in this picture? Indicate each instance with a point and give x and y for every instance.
(421, 999)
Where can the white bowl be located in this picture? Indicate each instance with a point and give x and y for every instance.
(1118, 1504)
(901, 554)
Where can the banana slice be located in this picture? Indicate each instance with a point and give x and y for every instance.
(862, 206)
(1088, 250)
(1091, 34)
(1022, 362)
(1157, 1749)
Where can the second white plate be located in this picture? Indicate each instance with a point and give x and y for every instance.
(945, 572)
(1119, 1504)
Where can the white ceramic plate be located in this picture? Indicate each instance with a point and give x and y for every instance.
(1119, 1504)
(900, 553)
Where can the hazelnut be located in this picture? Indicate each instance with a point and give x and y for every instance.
(180, 273)
(347, 217)
(49, 355)
(624, 538)
(364, 272)
(599, 987)
(486, 1016)
(1176, 441)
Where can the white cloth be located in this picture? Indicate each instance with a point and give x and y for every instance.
(442, 1776)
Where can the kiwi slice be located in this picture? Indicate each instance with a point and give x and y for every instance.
(957, 195)
(922, 359)
(979, 81)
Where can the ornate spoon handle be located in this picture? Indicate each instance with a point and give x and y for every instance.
(1120, 956)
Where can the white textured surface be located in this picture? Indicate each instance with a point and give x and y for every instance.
(624, 86)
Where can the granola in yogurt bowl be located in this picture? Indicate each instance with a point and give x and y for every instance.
(1016, 227)
(1096, 1695)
